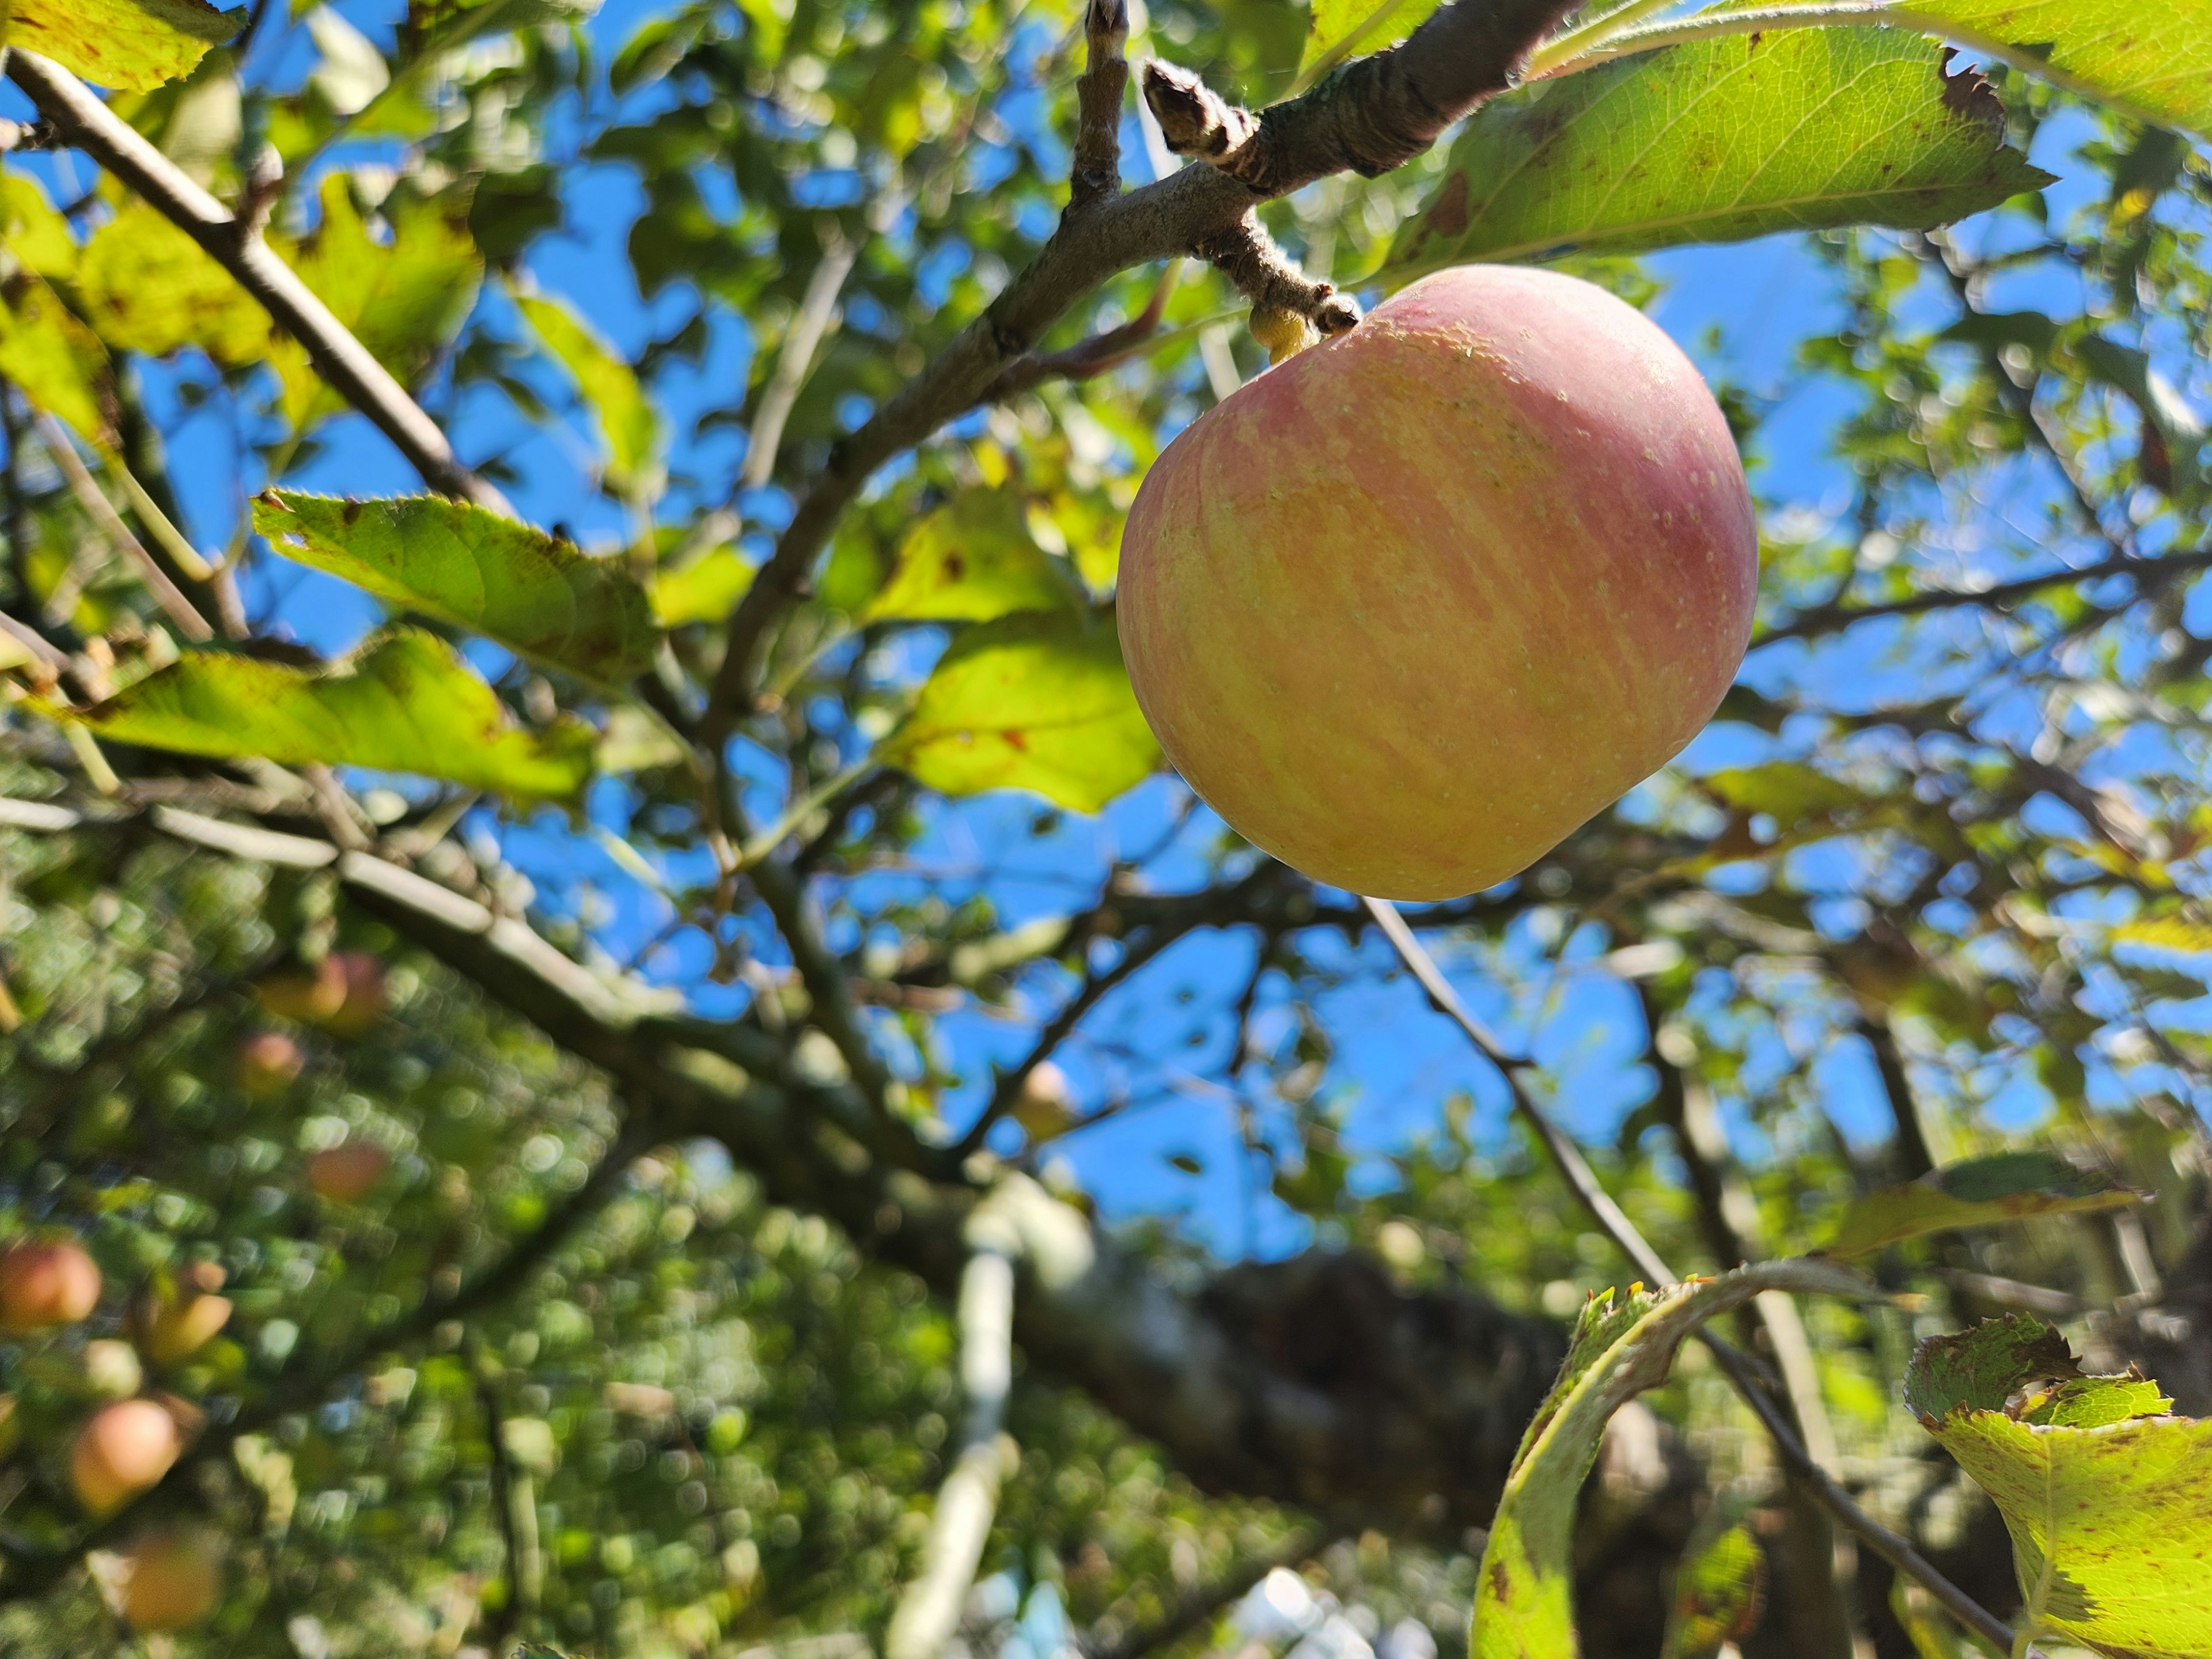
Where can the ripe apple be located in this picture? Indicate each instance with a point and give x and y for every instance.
(345, 1175)
(268, 1061)
(46, 1282)
(122, 1450)
(1408, 608)
(170, 1579)
(343, 993)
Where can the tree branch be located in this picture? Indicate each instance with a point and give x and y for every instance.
(1097, 166)
(86, 123)
(97, 507)
(1368, 118)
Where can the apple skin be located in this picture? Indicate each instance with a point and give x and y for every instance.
(122, 1450)
(44, 1283)
(1409, 608)
(268, 1064)
(347, 1174)
(173, 1579)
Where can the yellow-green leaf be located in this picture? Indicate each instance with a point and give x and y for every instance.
(1523, 1604)
(402, 299)
(405, 702)
(2166, 934)
(131, 45)
(538, 596)
(147, 287)
(1788, 792)
(2104, 1493)
(1337, 29)
(2151, 56)
(1718, 140)
(1038, 701)
(1979, 1192)
(34, 230)
(1719, 1588)
(971, 560)
(57, 362)
(704, 590)
(609, 385)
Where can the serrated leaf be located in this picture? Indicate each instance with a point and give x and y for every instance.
(131, 45)
(1337, 29)
(704, 591)
(1523, 1604)
(1719, 140)
(147, 287)
(971, 560)
(32, 229)
(519, 587)
(1979, 1192)
(2154, 57)
(405, 702)
(54, 359)
(402, 299)
(2103, 1492)
(1037, 701)
(609, 385)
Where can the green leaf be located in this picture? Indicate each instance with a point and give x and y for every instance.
(2154, 58)
(519, 587)
(2029, 329)
(2129, 370)
(971, 560)
(57, 362)
(704, 590)
(33, 231)
(1523, 1603)
(405, 702)
(131, 45)
(1037, 701)
(609, 385)
(1718, 140)
(1790, 792)
(2170, 933)
(402, 299)
(1340, 28)
(147, 287)
(1979, 1193)
(1720, 1590)
(2104, 1493)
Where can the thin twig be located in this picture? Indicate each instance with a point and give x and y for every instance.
(1583, 1180)
(796, 357)
(90, 496)
(1097, 170)
(352, 371)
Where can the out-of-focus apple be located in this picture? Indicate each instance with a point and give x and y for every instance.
(1410, 608)
(170, 1579)
(46, 1282)
(268, 1062)
(112, 1368)
(347, 1174)
(122, 1450)
(345, 993)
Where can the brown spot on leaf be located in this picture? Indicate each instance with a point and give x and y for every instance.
(1015, 740)
(955, 566)
(1448, 218)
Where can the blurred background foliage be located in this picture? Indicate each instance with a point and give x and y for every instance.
(1929, 888)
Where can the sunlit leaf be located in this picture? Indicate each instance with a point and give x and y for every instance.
(402, 299)
(128, 45)
(2104, 1493)
(147, 287)
(1979, 1193)
(702, 590)
(54, 359)
(1523, 1603)
(1719, 1590)
(609, 385)
(405, 702)
(1038, 701)
(1719, 140)
(971, 560)
(519, 587)
(1341, 28)
(2155, 58)
(2166, 934)
(34, 230)
(1790, 792)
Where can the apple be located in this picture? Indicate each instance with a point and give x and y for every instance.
(170, 1579)
(345, 1175)
(345, 993)
(1409, 608)
(122, 1450)
(46, 1282)
(268, 1061)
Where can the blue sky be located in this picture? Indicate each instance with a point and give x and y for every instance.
(1395, 1061)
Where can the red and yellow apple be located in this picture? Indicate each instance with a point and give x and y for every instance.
(121, 1450)
(46, 1282)
(347, 1174)
(1409, 608)
(268, 1062)
(343, 994)
(170, 1579)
